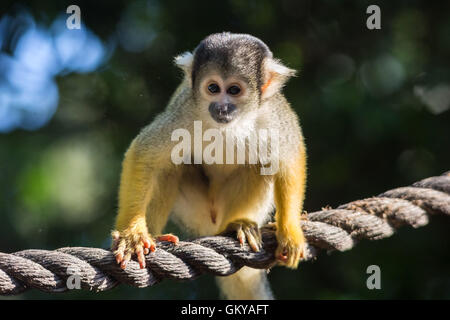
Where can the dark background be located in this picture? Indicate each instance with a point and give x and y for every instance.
(373, 104)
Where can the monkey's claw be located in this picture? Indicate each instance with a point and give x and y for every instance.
(128, 243)
(246, 231)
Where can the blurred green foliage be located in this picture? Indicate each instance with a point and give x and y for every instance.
(373, 104)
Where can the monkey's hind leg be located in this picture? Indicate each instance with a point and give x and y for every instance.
(246, 284)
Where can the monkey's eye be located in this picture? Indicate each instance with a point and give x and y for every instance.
(214, 88)
(234, 90)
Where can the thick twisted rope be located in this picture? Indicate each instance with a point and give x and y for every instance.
(329, 229)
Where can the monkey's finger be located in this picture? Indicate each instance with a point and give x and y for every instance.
(253, 243)
(302, 252)
(146, 242)
(282, 255)
(115, 235)
(119, 257)
(289, 256)
(257, 235)
(120, 251)
(240, 235)
(125, 261)
(115, 240)
(122, 245)
(140, 257)
(168, 237)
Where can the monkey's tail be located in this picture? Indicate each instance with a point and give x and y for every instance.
(246, 284)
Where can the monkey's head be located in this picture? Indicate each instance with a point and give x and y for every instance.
(231, 75)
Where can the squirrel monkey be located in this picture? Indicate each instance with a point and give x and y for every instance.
(232, 84)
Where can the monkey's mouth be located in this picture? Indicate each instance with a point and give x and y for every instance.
(223, 118)
(222, 113)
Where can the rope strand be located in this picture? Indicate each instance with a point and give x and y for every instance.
(329, 229)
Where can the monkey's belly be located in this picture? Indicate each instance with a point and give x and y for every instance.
(194, 211)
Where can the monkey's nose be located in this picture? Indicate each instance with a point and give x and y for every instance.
(226, 108)
(222, 112)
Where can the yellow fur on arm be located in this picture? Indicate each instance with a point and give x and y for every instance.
(289, 194)
(290, 190)
(135, 191)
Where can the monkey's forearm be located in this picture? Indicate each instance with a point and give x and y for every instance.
(290, 188)
(289, 194)
(135, 192)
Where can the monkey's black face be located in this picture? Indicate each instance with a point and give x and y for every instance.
(222, 112)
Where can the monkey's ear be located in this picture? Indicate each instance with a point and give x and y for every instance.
(275, 76)
(184, 62)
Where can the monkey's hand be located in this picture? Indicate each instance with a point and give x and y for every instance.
(132, 242)
(246, 231)
(291, 242)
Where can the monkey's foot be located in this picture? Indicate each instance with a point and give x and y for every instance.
(246, 230)
(130, 242)
(291, 242)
